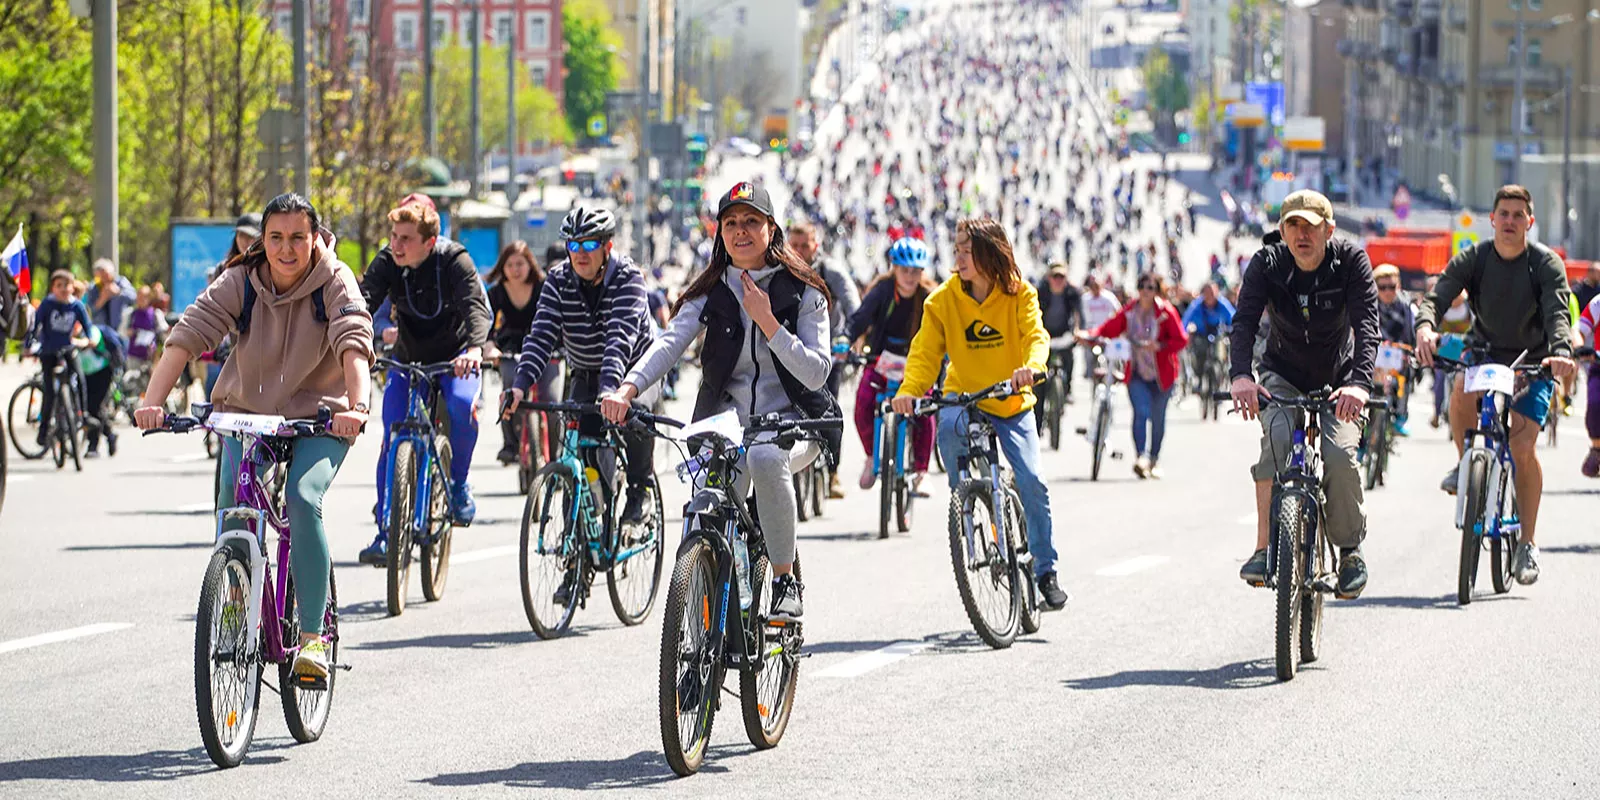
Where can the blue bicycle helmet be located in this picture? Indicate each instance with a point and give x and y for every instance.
(909, 252)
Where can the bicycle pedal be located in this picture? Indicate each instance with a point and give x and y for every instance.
(1081, 431)
(310, 683)
(345, 667)
(1116, 454)
(1324, 584)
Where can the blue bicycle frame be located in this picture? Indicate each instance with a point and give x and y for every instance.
(418, 429)
(1490, 416)
(901, 428)
(577, 455)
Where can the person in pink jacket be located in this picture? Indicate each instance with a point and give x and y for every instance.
(1152, 325)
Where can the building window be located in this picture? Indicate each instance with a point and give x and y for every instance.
(441, 29)
(405, 31)
(541, 74)
(358, 53)
(1535, 52)
(538, 31)
(502, 28)
(1511, 52)
(358, 10)
(285, 21)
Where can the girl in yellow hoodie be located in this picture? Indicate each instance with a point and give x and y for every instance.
(987, 320)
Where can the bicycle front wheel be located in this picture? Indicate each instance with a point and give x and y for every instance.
(1370, 463)
(1102, 426)
(887, 474)
(436, 550)
(985, 575)
(1289, 534)
(402, 523)
(635, 578)
(1473, 526)
(691, 671)
(227, 664)
(550, 557)
(22, 417)
(70, 429)
(306, 708)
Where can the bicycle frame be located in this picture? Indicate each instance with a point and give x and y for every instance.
(706, 519)
(577, 454)
(253, 506)
(1299, 477)
(901, 431)
(417, 428)
(1490, 440)
(983, 457)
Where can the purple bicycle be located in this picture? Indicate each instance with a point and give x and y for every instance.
(240, 592)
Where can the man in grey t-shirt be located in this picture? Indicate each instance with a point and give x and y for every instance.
(807, 243)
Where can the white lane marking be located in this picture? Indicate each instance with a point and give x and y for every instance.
(1248, 519)
(189, 457)
(62, 636)
(882, 657)
(193, 507)
(1131, 566)
(18, 478)
(484, 554)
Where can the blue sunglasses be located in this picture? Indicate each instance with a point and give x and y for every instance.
(587, 245)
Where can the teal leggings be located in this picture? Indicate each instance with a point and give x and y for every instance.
(316, 461)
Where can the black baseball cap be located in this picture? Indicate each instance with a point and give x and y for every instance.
(747, 194)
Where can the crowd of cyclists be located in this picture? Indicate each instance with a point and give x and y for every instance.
(977, 186)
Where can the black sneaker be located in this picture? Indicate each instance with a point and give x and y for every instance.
(1352, 575)
(111, 444)
(1050, 589)
(633, 507)
(786, 598)
(377, 553)
(1254, 571)
(507, 456)
(563, 595)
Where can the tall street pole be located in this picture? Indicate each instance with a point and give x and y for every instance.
(641, 186)
(1566, 165)
(511, 119)
(1350, 101)
(430, 134)
(302, 103)
(105, 129)
(1517, 98)
(477, 101)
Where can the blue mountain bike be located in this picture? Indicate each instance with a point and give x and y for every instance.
(891, 435)
(415, 514)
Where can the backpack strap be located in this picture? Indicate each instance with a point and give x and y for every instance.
(319, 307)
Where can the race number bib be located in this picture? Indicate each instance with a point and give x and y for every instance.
(1390, 358)
(1119, 350)
(257, 424)
(891, 366)
(1491, 378)
(144, 338)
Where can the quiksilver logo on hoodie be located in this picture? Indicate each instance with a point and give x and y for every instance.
(982, 335)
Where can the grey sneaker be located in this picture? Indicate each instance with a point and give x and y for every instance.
(1352, 575)
(1254, 571)
(1451, 478)
(1525, 567)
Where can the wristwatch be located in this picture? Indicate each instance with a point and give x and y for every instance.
(360, 407)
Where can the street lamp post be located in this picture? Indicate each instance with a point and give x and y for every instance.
(1517, 99)
(477, 98)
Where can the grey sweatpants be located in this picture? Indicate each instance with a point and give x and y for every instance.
(771, 469)
(1341, 476)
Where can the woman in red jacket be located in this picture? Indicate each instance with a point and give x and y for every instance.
(1152, 326)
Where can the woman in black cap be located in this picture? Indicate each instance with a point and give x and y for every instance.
(766, 351)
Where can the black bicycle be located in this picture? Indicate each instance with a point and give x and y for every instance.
(719, 601)
(1301, 560)
(988, 530)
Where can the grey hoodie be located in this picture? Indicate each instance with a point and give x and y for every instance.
(754, 384)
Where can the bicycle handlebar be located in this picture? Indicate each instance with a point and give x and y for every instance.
(291, 428)
(636, 415)
(1001, 390)
(1318, 401)
(428, 371)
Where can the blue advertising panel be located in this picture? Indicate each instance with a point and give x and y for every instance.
(1270, 97)
(483, 244)
(197, 246)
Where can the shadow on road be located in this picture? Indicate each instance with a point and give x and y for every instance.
(644, 768)
(157, 765)
(1443, 601)
(1572, 549)
(470, 641)
(840, 536)
(163, 512)
(1571, 493)
(90, 548)
(1240, 675)
(163, 473)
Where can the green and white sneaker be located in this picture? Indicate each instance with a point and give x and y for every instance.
(312, 661)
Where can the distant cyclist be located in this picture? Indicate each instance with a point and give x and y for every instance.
(1519, 297)
(1061, 309)
(1317, 291)
(441, 314)
(1398, 323)
(890, 317)
(806, 242)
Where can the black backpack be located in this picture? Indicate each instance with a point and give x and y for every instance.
(319, 307)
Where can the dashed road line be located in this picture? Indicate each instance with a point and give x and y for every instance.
(1132, 565)
(882, 657)
(484, 554)
(63, 636)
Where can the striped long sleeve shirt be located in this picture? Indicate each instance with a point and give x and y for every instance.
(608, 336)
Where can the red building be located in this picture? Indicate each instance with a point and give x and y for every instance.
(394, 27)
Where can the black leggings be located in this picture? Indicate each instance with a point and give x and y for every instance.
(47, 405)
(583, 387)
(98, 387)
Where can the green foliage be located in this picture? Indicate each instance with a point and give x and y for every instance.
(1166, 91)
(593, 68)
(538, 118)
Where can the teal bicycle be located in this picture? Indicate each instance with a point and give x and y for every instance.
(572, 529)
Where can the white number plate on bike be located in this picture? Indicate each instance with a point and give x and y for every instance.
(891, 366)
(725, 425)
(258, 424)
(1390, 358)
(144, 338)
(1119, 350)
(1491, 378)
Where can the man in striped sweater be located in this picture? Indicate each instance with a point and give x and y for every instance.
(594, 308)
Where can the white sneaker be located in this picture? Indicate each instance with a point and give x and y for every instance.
(869, 476)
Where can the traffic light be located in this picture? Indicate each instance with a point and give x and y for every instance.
(778, 144)
(1183, 137)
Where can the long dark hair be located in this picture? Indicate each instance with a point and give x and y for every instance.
(778, 252)
(516, 248)
(289, 203)
(991, 252)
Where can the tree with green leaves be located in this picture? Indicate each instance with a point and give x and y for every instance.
(593, 69)
(538, 117)
(1166, 91)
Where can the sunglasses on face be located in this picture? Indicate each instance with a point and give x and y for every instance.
(1146, 287)
(1387, 287)
(587, 245)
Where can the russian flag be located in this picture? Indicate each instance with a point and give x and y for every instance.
(15, 259)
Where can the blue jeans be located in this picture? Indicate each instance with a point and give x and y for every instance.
(1019, 442)
(1149, 409)
(460, 397)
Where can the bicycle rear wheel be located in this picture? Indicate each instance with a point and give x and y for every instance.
(1058, 407)
(1372, 447)
(1032, 616)
(436, 552)
(68, 418)
(1311, 603)
(887, 474)
(305, 708)
(1473, 526)
(1505, 545)
(227, 666)
(985, 576)
(820, 478)
(802, 494)
(1102, 425)
(402, 521)
(691, 672)
(22, 417)
(1289, 534)
(767, 697)
(550, 556)
(633, 581)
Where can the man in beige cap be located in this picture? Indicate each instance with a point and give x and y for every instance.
(1323, 306)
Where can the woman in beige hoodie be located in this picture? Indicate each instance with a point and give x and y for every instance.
(289, 362)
